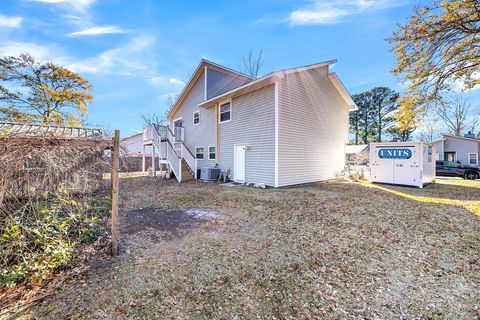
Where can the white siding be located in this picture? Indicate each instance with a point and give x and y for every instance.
(219, 82)
(133, 145)
(202, 134)
(313, 128)
(438, 150)
(253, 124)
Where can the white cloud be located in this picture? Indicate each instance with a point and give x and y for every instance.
(175, 81)
(331, 11)
(76, 5)
(98, 30)
(166, 81)
(10, 22)
(124, 60)
(40, 52)
(131, 58)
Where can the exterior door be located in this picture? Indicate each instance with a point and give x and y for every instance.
(239, 163)
(382, 169)
(405, 169)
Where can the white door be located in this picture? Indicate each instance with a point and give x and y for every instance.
(239, 165)
(405, 169)
(381, 169)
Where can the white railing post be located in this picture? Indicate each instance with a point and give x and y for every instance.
(195, 172)
(180, 170)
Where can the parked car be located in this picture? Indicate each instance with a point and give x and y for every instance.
(453, 169)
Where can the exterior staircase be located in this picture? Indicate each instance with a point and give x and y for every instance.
(187, 172)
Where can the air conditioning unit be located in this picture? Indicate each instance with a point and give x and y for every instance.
(209, 174)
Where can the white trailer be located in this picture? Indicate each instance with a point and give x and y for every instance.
(402, 163)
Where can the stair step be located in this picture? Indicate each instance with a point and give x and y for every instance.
(187, 172)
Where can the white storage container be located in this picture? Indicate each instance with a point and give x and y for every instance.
(403, 163)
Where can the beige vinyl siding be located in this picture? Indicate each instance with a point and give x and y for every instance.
(219, 82)
(202, 134)
(313, 128)
(252, 124)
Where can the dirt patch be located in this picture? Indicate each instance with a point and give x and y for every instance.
(161, 224)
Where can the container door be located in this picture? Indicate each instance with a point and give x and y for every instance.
(405, 169)
(381, 168)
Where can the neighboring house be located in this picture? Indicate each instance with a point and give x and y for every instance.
(462, 149)
(145, 145)
(287, 127)
(132, 146)
(357, 154)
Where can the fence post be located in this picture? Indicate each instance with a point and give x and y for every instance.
(115, 185)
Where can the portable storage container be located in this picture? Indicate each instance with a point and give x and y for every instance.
(402, 163)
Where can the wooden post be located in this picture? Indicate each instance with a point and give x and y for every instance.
(115, 185)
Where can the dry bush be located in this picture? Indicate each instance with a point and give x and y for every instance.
(52, 203)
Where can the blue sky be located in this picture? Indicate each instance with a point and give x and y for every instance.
(135, 53)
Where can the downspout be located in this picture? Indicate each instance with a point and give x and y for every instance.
(217, 135)
(276, 134)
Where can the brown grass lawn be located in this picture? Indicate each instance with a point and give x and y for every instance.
(331, 250)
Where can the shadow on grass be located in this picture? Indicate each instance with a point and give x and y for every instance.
(440, 193)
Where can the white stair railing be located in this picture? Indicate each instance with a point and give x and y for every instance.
(163, 150)
(188, 156)
(175, 161)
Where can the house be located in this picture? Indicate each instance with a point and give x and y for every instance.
(357, 154)
(142, 149)
(456, 148)
(132, 146)
(285, 128)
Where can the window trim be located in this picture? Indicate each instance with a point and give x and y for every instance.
(476, 158)
(215, 153)
(203, 153)
(454, 157)
(193, 117)
(220, 111)
(175, 120)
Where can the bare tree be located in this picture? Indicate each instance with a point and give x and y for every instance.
(429, 129)
(455, 114)
(153, 118)
(251, 64)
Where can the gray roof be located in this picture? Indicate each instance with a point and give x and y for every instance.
(42, 130)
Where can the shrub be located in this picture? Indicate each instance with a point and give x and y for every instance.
(45, 235)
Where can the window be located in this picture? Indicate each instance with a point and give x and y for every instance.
(211, 153)
(473, 159)
(225, 112)
(450, 156)
(196, 117)
(199, 152)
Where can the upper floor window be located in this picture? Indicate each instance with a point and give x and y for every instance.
(225, 112)
(196, 117)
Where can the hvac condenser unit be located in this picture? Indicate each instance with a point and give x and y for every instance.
(209, 174)
(402, 163)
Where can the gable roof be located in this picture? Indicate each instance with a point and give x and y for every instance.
(456, 137)
(276, 75)
(196, 75)
(132, 136)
